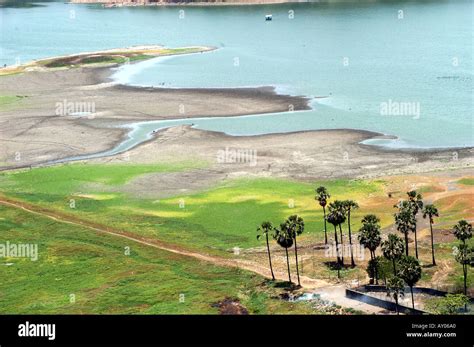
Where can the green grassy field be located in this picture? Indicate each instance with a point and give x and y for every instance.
(467, 181)
(215, 220)
(93, 268)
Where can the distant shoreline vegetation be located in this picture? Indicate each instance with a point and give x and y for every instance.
(101, 58)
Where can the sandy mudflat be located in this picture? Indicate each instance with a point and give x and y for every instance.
(303, 156)
(32, 132)
(31, 129)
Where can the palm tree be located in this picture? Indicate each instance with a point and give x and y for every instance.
(265, 229)
(464, 256)
(404, 220)
(393, 249)
(284, 240)
(336, 217)
(463, 231)
(294, 226)
(416, 201)
(349, 206)
(370, 219)
(369, 234)
(323, 196)
(410, 272)
(396, 288)
(431, 211)
(339, 206)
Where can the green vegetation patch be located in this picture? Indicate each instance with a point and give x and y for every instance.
(7, 101)
(80, 271)
(467, 181)
(65, 179)
(216, 220)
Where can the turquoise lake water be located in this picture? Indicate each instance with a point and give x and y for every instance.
(361, 56)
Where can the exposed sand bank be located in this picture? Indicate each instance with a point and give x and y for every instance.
(303, 156)
(32, 131)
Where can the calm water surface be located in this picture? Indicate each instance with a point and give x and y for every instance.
(361, 56)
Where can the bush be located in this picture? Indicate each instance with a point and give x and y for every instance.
(450, 304)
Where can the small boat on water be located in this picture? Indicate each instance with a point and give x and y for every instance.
(268, 17)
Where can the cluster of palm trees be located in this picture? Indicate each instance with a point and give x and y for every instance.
(406, 218)
(406, 269)
(396, 267)
(339, 212)
(285, 236)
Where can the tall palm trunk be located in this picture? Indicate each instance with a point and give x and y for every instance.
(270, 258)
(394, 267)
(432, 243)
(337, 245)
(288, 264)
(464, 270)
(396, 304)
(342, 244)
(376, 275)
(416, 244)
(412, 299)
(406, 243)
(297, 267)
(325, 229)
(350, 237)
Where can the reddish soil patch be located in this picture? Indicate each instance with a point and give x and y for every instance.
(230, 306)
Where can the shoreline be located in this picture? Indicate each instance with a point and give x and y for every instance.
(36, 88)
(354, 138)
(32, 121)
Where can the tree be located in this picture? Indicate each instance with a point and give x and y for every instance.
(369, 233)
(404, 220)
(392, 249)
(370, 219)
(431, 211)
(294, 226)
(265, 229)
(464, 256)
(450, 304)
(338, 206)
(396, 289)
(416, 202)
(410, 272)
(349, 206)
(322, 196)
(336, 217)
(372, 270)
(284, 240)
(463, 231)
(384, 269)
